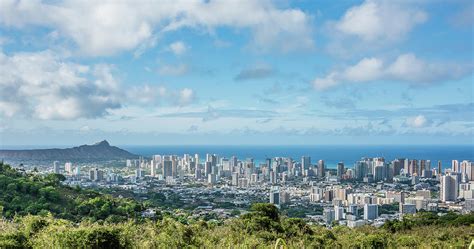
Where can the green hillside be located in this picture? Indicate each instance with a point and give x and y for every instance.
(22, 194)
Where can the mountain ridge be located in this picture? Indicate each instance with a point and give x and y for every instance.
(101, 150)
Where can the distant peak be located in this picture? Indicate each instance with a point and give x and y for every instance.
(103, 143)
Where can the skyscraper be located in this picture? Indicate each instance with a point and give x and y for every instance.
(449, 188)
(360, 169)
(440, 172)
(338, 213)
(378, 173)
(321, 169)
(397, 166)
(68, 168)
(305, 163)
(275, 196)
(208, 168)
(340, 169)
(455, 166)
(153, 168)
(56, 168)
(167, 168)
(370, 211)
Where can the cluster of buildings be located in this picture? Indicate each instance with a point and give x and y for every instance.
(372, 191)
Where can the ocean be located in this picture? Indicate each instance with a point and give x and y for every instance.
(331, 154)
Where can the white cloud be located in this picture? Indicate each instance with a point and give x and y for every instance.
(326, 82)
(367, 69)
(380, 20)
(419, 121)
(109, 27)
(42, 85)
(186, 96)
(178, 48)
(173, 70)
(151, 95)
(405, 68)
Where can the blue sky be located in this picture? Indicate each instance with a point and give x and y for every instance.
(236, 72)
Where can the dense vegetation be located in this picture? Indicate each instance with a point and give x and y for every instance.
(22, 194)
(260, 228)
(41, 213)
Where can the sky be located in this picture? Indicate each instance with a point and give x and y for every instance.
(236, 72)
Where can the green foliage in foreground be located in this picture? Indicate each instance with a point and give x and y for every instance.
(261, 228)
(22, 194)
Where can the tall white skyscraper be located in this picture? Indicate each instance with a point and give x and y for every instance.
(338, 213)
(449, 188)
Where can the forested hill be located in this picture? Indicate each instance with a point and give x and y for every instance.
(100, 151)
(22, 194)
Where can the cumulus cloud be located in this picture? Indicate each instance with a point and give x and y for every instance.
(405, 68)
(380, 20)
(186, 96)
(259, 71)
(419, 121)
(178, 48)
(43, 85)
(109, 27)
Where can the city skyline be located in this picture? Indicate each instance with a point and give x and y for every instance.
(230, 73)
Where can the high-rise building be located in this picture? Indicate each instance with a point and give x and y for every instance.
(275, 196)
(153, 167)
(96, 175)
(422, 166)
(305, 163)
(321, 168)
(167, 168)
(316, 194)
(68, 168)
(340, 169)
(174, 167)
(211, 179)
(370, 211)
(414, 168)
(464, 165)
(440, 170)
(235, 178)
(197, 173)
(338, 213)
(449, 187)
(379, 173)
(353, 209)
(208, 168)
(360, 170)
(455, 166)
(329, 215)
(470, 171)
(397, 165)
(56, 167)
